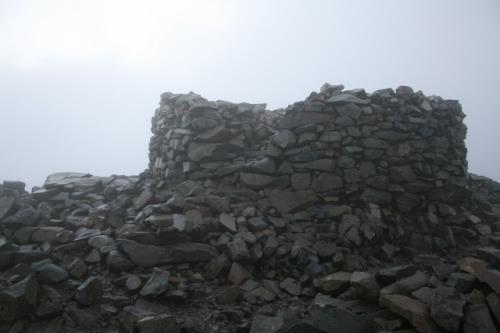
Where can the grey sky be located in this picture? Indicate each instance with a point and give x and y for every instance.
(79, 80)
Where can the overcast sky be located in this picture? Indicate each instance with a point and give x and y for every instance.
(80, 80)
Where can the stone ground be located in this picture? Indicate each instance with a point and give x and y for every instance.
(93, 254)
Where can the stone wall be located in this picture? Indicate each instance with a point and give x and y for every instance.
(398, 148)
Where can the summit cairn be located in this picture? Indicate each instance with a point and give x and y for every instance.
(346, 212)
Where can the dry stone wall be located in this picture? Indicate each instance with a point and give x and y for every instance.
(398, 148)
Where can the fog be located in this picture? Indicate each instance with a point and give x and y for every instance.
(80, 80)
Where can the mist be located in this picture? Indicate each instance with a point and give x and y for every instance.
(79, 81)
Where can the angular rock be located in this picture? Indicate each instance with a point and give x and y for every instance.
(344, 98)
(93, 257)
(46, 234)
(331, 136)
(238, 274)
(228, 222)
(162, 323)
(7, 254)
(392, 274)
(84, 318)
(100, 241)
(188, 252)
(324, 164)
(19, 299)
(406, 285)
(325, 249)
(77, 268)
(80, 181)
(291, 202)
(478, 319)
(145, 198)
(291, 286)
(365, 285)
(416, 312)
(200, 151)
(447, 308)
(301, 181)
(89, 291)
(336, 320)
(7, 205)
(493, 301)
(335, 283)
(424, 294)
(406, 202)
(49, 273)
(372, 195)
(284, 139)
(238, 250)
(133, 282)
(116, 261)
(296, 119)
(327, 182)
(216, 134)
(266, 324)
(148, 255)
(255, 180)
(263, 165)
(157, 284)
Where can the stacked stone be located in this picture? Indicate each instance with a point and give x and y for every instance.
(203, 139)
(391, 148)
(259, 221)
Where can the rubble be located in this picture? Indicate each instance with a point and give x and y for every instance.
(346, 212)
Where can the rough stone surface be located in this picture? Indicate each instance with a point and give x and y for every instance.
(157, 284)
(447, 308)
(349, 211)
(89, 291)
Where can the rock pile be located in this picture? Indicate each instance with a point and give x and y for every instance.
(391, 148)
(241, 226)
